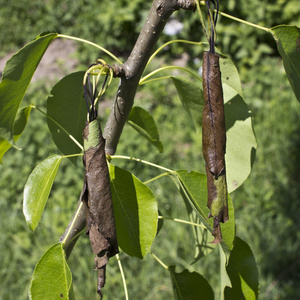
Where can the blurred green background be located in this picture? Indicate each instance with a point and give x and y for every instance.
(267, 205)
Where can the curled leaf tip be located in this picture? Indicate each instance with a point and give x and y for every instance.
(217, 232)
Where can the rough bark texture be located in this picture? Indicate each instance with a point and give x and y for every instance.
(214, 142)
(133, 68)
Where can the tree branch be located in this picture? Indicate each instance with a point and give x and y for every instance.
(133, 68)
(130, 73)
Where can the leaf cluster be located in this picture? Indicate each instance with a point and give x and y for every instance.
(147, 132)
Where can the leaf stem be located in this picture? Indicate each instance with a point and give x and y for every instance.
(182, 221)
(201, 18)
(72, 155)
(123, 276)
(160, 262)
(72, 224)
(63, 129)
(171, 42)
(157, 177)
(238, 20)
(142, 81)
(141, 161)
(90, 43)
(158, 78)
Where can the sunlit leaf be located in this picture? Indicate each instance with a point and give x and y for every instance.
(225, 280)
(190, 286)
(52, 277)
(230, 77)
(240, 142)
(240, 138)
(19, 126)
(37, 189)
(144, 124)
(67, 107)
(135, 211)
(288, 43)
(16, 77)
(243, 273)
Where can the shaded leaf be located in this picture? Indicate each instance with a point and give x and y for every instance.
(204, 245)
(203, 237)
(194, 187)
(190, 286)
(144, 124)
(67, 107)
(37, 189)
(19, 126)
(52, 277)
(191, 96)
(288, 43)
(16, 77)
(243, 273)
(135, 212)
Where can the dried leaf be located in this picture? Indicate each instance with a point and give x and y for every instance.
(97, 196)
(214, 142)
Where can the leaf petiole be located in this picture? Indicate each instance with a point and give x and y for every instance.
(142, 81)
(158, 78)
(171, 42)
(237, 19)
(141, 161)
(160, 262)
(123, 276)
(182, 221)
(90, 43)
(72, 155)
(156, 177)
(73, 222)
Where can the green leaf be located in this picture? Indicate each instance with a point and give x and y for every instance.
(230, 77)
(194, 186)
(288, 43)
(243, 273)
(190, 286)
(17, 75)
(143, 123)
(203, 237)
(67, 107)
(135, 211)
(37, 189)
(19, 126)
(240, 138)
(191, 96)
(52, 277)
(225, 280)
(241, 143)
(195, 189)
